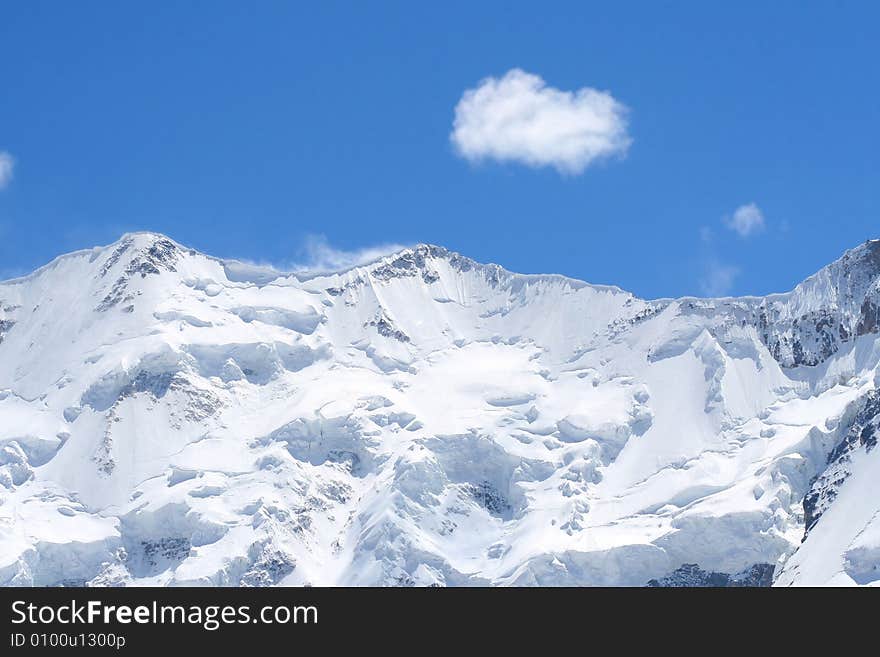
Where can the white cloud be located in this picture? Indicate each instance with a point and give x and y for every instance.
(7, 164)
(746, 220)
(518, 118)
(718, 278)
(320, 256)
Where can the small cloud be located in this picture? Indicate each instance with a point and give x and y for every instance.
(718, 278)
(320, 256)
(746, 220)
(518, 118)
(7, 164)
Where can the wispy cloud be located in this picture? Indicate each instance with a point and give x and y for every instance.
(746, 220)
(318, 255)
(518, 118)
(7, 164)
(718, 277)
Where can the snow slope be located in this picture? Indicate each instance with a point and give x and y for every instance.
(171, 418)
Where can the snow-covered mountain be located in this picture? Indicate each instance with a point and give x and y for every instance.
(171, 418)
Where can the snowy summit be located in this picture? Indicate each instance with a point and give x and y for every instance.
(170, 418)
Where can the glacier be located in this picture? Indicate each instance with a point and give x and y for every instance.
(172, 418)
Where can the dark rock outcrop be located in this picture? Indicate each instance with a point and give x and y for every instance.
(691, 575)
(862, 434)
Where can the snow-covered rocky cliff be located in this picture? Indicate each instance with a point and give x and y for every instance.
(170, 418)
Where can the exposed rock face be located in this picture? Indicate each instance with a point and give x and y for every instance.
(831, 308)
(5, 325)
(158, 256)
(691, 575)
(385, 328)
(428, 420)
(861, 435)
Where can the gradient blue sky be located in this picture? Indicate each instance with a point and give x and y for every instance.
(248, 129)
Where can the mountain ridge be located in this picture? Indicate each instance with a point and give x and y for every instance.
(169, 418)
(306, 273)
(268, 272)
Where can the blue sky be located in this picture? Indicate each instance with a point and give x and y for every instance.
(729, 147)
